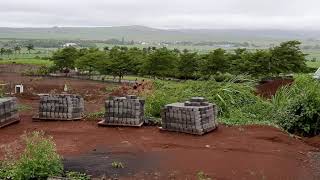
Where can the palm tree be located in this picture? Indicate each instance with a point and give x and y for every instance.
(30, 47)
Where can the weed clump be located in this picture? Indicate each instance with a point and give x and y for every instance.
(297, 108)
(39, 160)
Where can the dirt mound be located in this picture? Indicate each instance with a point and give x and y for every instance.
(314, 141)
(141, 87)
(269, 88)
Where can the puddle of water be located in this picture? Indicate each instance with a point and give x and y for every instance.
(98, 163)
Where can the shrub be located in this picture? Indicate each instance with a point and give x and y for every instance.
(96, 115)
(221, 77)
(41, 71)
(297, 108)
(117, 165)
(77, 176)
(38, 161)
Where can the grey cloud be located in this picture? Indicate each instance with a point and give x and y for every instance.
(163, 13)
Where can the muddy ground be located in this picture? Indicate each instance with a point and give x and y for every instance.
(244, 152)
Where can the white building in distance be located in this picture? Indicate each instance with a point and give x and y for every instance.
(70, 45)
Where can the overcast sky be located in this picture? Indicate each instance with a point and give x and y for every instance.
(217, 14)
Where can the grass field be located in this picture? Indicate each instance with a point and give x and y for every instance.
(38, 62)
(313, 64)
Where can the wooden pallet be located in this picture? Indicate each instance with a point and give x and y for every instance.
(102, 123)
(9, 122)
(199, 134)
(36, 118)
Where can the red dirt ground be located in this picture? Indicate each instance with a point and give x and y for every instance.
(246, 152)
(269, 88)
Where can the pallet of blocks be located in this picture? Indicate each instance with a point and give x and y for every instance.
(196, 116)
(124, 111)
(60, 107)
(8, 111)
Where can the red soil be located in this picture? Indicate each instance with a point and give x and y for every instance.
(246, 152)
(315, 141)
(269, 88)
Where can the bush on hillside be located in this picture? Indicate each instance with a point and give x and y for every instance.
(297, 108)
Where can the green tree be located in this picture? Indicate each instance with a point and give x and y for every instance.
(9, 52)
(287, 58)
(17, 49)
(30, 47)
(238, 61)
(214, 62)
(65, 58)
(2, 51)
(137, 58)
(90, 61)
(161, 62)
(119, 62)
(260, 62)
(188, 64)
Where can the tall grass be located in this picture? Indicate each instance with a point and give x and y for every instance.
(236, 101)
(37, 62)
(297, 108)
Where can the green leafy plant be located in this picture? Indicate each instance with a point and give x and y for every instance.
(96, 115)
(297, 108)
(202, 176)
(77, 176)
(236, 101)
(39, 160)
(117, 165)
(24, 107)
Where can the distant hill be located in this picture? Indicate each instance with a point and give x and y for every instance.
(142, 33)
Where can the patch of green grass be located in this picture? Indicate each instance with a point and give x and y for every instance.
(237, 102)
(117, 165)
(37, 62)
(315, 64)
(24, 107)
(77, 176)
(202, 176)
(129, 77)
(96, 115)
(39, 160)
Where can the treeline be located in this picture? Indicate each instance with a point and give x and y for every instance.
(211, 43)
(46, 43)
(16, 49)
(54, 43)
(163, 62)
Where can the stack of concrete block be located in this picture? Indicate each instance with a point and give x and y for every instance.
(8, 111)
(196, 116)
(124, 111)
(61, 107)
